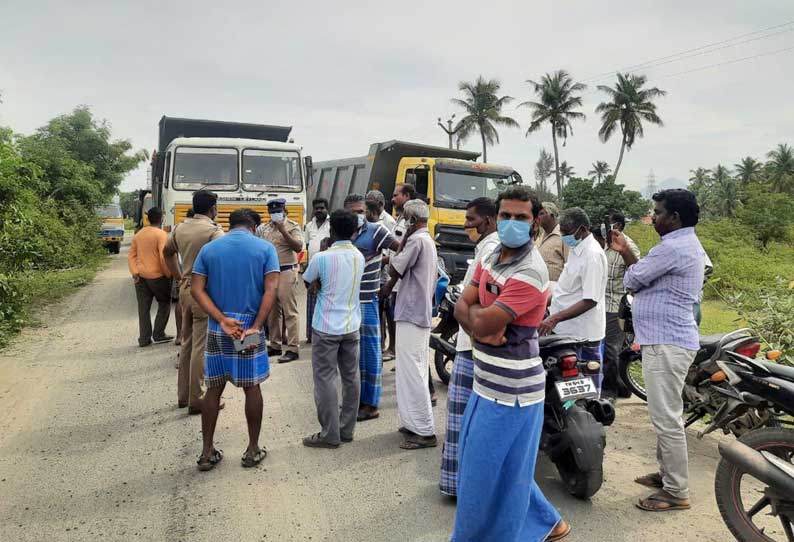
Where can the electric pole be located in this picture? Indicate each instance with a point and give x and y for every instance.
(449, 130)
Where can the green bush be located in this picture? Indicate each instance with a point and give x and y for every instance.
(740, 263)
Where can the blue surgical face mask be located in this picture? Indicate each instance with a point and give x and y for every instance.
(514, 233)
(361, 221)
(571, 240)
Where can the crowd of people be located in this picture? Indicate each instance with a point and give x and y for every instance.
(369, 277)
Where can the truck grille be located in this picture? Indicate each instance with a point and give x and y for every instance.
(294, 212)
(454, 237)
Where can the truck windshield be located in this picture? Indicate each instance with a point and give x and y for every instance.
(204, 167)
(269, 169)
(109, 211)
(454, 190)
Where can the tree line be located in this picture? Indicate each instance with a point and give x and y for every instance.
(50, 183)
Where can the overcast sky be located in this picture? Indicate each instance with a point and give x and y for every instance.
(345, 77)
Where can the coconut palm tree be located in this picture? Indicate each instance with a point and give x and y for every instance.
(558, 101)
(781, 167)
(747, 169)
(600, 170)
(566, 172)
(725, 193)
(483, 111)
(629, 105)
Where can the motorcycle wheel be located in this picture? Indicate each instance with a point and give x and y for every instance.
(444, 363)
(630, 368)
(581, 484)
(735, 490)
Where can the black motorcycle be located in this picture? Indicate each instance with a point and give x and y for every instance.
(574, 418)
(444, 334)
(754, 483)
(701, 392)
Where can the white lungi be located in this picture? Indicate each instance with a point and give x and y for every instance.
(414, 410)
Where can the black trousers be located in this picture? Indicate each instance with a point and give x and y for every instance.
(147, 290)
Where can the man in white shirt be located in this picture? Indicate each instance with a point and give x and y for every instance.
(377, 198)
(318, 229)
(577, 304)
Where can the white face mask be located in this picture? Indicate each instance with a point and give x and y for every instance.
(277, 217)
(361, 220)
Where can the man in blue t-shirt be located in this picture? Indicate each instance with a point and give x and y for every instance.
(235, 280)
(371, 239)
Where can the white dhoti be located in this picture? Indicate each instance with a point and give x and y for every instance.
(414, 410)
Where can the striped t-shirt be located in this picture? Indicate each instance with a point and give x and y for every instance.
(513, 373)
(372, 240)
(339, 269)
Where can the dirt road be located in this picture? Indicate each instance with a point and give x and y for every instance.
(93, 446)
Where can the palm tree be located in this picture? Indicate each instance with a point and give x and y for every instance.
(726, 192)
(600, 169)
(558, 101)
(566, 172)
(629, 106)
(781, 165)
(483, 110)
(747, 169)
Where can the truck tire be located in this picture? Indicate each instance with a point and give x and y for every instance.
(115, 248)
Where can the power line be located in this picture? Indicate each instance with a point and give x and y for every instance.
(652, 66)
(701, 48)
(768, 53)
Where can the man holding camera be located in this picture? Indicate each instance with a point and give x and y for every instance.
(286, 236)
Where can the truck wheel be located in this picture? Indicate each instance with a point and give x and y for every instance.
(115, 248)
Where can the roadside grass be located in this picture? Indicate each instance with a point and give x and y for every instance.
(718, 317)
(39, 289)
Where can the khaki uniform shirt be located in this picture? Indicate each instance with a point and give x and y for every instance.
(187, 239)
(553, 251)
(269, 232)
(616, 268)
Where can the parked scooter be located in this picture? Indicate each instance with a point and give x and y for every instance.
(574, 417)
(701, 392)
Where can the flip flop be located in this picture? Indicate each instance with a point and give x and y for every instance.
(663, 502)
(208, 463)
(252, 460)
(653, 479)
(565, 531)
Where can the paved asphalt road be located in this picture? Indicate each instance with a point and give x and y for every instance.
(92, 446)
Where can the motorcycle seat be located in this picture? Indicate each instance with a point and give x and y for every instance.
(782, 371)
(711, 342)
(548, 341)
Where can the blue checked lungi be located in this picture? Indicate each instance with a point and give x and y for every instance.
(311, 301)
(369, 360)
(223, 364)
(593, 352)
(498, 498)
(460, 383)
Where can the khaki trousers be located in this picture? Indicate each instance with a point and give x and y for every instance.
(664, 367)
(191, 354)
(285, 309)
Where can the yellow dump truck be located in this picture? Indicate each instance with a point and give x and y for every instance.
(445, 178)
(112, 229)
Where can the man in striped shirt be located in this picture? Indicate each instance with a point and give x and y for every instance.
(501, 308)
(371, 239)
(336, 273)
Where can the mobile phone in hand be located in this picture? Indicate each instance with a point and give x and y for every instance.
(248, 342)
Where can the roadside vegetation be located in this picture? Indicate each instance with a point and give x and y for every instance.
(50, 182)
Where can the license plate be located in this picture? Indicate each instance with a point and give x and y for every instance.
(577, 388)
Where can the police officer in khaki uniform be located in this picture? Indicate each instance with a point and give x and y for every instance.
(287, 237)
(186, 239)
